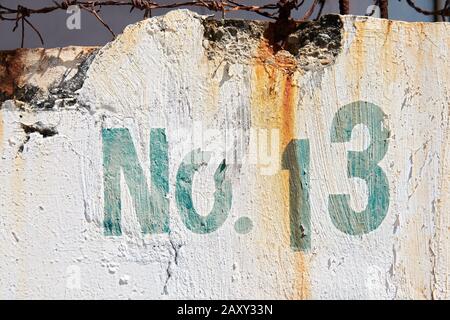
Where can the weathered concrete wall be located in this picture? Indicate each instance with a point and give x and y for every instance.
(102, 195)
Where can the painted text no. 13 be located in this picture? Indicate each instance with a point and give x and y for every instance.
(151, 203)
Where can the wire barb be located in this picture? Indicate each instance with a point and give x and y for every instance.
(280, 10)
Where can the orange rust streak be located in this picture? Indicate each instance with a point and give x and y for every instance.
(11, 69)
(288, 113)
(274, 101)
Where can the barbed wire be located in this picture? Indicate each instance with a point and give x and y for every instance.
(280, 11)
(444, 12)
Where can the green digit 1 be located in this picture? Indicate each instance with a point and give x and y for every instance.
(363, 165)
(296, 160)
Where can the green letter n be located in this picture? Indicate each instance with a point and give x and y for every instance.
(119, 154)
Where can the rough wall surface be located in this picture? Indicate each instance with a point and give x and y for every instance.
(321, 170)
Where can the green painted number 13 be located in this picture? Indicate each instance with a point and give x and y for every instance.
(362, 165)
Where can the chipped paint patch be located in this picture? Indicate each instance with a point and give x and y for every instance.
(43, 77)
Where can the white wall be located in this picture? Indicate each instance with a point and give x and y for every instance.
(219, 96)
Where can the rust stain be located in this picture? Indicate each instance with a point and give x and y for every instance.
(362, 61)
(356, 69)
(412, 267)
(11, 70)
(288, 112)
(274, 103)
(415, 269)
(29, 67)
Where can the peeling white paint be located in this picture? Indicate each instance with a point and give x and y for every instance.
(158, 75)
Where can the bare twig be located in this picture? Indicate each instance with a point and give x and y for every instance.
(278, 10)
(321, 6)
(344, 6)
(384, 11)
(95, 14)
(444, 12)
(35, 30)
(310, 11)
